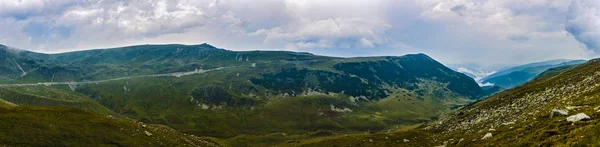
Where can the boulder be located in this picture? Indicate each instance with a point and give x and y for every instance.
(578, 117)
(148, 133)
(488, 135)
(558, 112)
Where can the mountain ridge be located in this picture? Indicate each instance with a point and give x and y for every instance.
(268, 91)
(521, 74)
(538, 113)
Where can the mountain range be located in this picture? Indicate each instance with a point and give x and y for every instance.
(557, 108)
(238, 97)
(521, 74)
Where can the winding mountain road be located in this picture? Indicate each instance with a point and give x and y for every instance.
(74, 84)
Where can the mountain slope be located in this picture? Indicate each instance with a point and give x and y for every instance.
(48, 126)
(51, 96)
(525, 66)
(207, 91)
(14, 63)
(522, 116)
(521, 74)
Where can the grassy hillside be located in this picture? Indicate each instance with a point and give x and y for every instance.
(49, 126)
(51, 96)
(6, 104)
(517, 117)
(245, 95)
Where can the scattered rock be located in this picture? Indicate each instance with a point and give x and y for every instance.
(559, 112)
(406, 140)
(573, 107)
(488, 135)
(492, 130)
(508, 123)
(148, 133)
(144, 126)
(578, 117)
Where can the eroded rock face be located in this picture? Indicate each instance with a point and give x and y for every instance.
(578, 117)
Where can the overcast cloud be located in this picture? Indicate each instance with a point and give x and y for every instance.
(490, 33)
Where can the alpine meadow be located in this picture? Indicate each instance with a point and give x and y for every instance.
(299, 73)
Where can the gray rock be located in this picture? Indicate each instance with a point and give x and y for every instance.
(406, 140)
(578, 117)
(148, 133)
(558, 112)
(488, 135)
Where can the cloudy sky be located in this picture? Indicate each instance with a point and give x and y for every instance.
(489, 33)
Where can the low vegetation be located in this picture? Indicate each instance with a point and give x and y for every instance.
(51, 126)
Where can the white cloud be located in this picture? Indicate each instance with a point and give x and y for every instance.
(583, 22)
(487, 32)
(329, 33)
(476, 74)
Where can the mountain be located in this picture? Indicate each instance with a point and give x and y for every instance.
(13, 64)
(525, 66)
(516, 76)
(552, 110)
(241, 98)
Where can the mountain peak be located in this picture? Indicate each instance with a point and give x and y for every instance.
(419, 56)
(206, 45)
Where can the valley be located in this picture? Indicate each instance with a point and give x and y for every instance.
(299, 73)
(270, 98)
(241, 98)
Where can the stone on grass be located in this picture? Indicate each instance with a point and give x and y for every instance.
(558, 112)
(488, 135)
(578, 117)
(148, 133)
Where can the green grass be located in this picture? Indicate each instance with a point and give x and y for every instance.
(232, 105)
(528, 107)
(6, 104)
(51, 126)
(51, 96)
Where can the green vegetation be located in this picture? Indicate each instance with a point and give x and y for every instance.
(6, 104)
(49, 96)
(258, 95)
(517, 117)
(48, 126)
